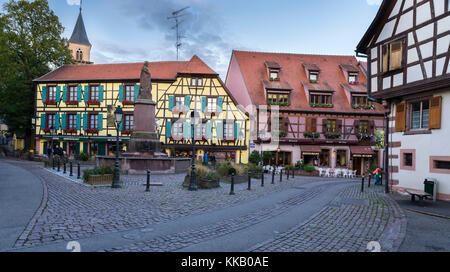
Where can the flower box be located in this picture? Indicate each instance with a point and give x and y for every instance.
(274, 79)
(313, 135)
(99, 179)
(46, 130)
(332, 135)
(127, 102)
(354, 83)
(72, 103)
(93, 103)
(70, 130)
(91, 130)
(176, 139)
(364, 136)
(127, 132)
(50, 102)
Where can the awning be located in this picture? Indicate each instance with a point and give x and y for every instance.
(362, 151)
(310, 150)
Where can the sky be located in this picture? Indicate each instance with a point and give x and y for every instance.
(138, 30)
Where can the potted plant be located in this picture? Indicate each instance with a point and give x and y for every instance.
(93, 103)
(99, 175)
(91, 131)
(72, 102)
(50, 102)
(127, 102)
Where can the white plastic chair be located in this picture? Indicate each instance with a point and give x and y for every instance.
(345, 173)
(321, 171)
(327, 172)
(337, 173)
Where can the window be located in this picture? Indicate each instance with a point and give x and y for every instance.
(313, 77)
(331, 125)
(211, 104)
(358, 100)
(273, 75)
(321, 100)
(177, 129)
(445, 165)
(128, 122)
(200, 130)
(93, 121)
(352, 78)
(440, 164)
(197, 82)
(228, 131)
(281, 99)
(71, 121)
(129, 93)
(72, 95)
(364, 126)
(392, 56)
(50, 121)
(51, 93)
(93, 95)
(179, 102)
(420, 115)
(79, 55)
(408, 157)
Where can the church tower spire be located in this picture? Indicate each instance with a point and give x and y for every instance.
(79, 41)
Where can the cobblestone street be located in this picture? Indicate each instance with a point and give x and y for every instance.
(170, 218)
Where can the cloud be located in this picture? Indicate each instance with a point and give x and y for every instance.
(73, 2)
(374, 2)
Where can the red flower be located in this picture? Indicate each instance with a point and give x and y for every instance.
(46, 130)
(72, 102)
(70, 130)
(127, 131)
(91, 130)
(50, 102)
(127, 102)
(93, 102)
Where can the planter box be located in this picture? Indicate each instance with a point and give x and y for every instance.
(99, 179)
(202, 183)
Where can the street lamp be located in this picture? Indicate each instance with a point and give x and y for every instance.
(193, 182)
(118, 116)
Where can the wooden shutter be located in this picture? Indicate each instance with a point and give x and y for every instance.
(435, 112)
(58, 94)
(79, 93)
(400, 117)
(308, 127)
(100, 121)
(219, 130)
(220, 104)
(63, 121)
(136, 92)
(313, 125)
(203, 104)
(101, 89)
(171, 102)
(65, 93)
(44, 93)
(187, 102)
(86, 93)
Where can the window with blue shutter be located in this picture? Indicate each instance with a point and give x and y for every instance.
(100, 121)
(236, 130)
(58, 94)
(63, 121)
(168, 129)
(57, 123)
(79, 121)
(85, 121)
(171, 101)
(42, 120)
(101, 90)
(136, 92)
(44, 93)
(121, 93)
(65, 93)
(187, 103)
(220, 104)
(209, 130)
(186, 130)
(86, 93)
(79, 93)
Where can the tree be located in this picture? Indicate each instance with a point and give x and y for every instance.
(267, 157)
(255, 157)
(30, 46)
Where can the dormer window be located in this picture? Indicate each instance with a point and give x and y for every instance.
(273, 68)
(313, 77)
(196, 82)
(278, 98)
(274, 75)
(353, 78)
(321, 100)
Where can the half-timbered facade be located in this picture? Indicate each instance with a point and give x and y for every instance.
(78, 101)
(407, 47)
(324, 116)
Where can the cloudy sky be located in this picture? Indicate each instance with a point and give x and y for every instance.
(138, 30)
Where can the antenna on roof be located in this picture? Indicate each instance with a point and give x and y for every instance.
(176, 15)
(81, 4)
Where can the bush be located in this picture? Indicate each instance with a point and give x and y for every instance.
(203, 172)
(299, 165)
(255, 158)
(82, 157)
(254, 168)
(309, 168)
(104, 170)
(267, 157)
(226, 169)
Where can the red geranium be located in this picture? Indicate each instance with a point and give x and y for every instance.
(50, 102)
(127, 102)
(91, 130)
(127, 131)
(70, 130)
(72, 102)
(46, 130)
(93, 102)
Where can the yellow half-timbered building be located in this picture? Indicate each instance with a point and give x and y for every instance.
(78, 102)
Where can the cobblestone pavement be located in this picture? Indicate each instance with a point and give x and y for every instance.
(71, 211)
(347, 224)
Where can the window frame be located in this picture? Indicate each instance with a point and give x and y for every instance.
(212, 98)
(317, 98)
(410, 104)
(47, 119)
(71, 117)
(388, 46)
(93, 117)
(128, 93)
(177, 126)
(403, 165)
(51, 93)
(352, 74)
(228, 126)
(128, 122)
(278, 97)
(97, 92)
(316, 73)
(196, 82)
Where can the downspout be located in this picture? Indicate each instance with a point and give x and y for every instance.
(386, 118)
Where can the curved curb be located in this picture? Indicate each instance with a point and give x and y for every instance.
(395, 231)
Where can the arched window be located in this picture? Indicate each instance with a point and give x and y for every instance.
(79, 56)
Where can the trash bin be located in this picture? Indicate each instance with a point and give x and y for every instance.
(430, 187)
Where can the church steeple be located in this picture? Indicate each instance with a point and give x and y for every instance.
(79, 41)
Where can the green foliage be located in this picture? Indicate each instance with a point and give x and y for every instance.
(299, 165)
(227, 168)
(255, 157)
(267, 156)
(104, 170)
(379, 139)
(373, 167)
(309, 168)
(203, 172)
(311, 134)
(254, 168)
(30, 46)
(82, 157)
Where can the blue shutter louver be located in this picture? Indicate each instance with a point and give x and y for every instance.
(86, 93)
(79, 93)
(171, 102)
(100, 121)
(42, 121)
(203, 104)
(220, 104)
(79, 121)
(58, 94)
(63, 121)
(65, 93)
(121, 93)
(101, 90)
(168, 129)
(57, 122)
(219, 130)
(44, 93)
(187, 103)
(85, 121)
(136, 92)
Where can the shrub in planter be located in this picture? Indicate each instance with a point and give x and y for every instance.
(82, 157)
(206, 179)
(299, 165)
(255, 157)
(267, 156)
(98, 171)
(309, 168)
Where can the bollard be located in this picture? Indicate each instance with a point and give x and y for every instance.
(232, 184)
(59, 164)
(370, 179)
(65, 167)
(71, 169)
(362, 184)
(79, 171)
(273, 176)
(287, 174)
(262, 179)
(281, 175)
(249, 181)
(293, 172)
(53, 163)
(147, 188)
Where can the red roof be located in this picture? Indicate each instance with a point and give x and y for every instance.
(127, 71)
(254, 71)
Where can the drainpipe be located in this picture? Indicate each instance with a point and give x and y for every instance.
(386, 118)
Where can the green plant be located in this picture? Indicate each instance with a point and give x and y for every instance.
(267, 157)
(283, 134)
(255, 157)
(82, 157)
(253, 168)
(299, 165)
(313, 135)
(332, 135)
(103, 170)
(309, 168)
